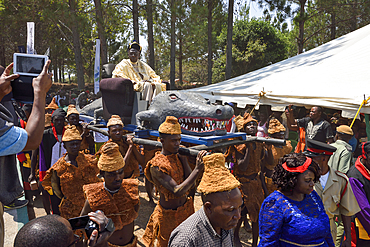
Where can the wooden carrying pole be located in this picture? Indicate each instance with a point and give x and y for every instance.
(193, 151)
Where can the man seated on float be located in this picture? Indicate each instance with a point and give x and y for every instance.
(141, 74)
(117, 197)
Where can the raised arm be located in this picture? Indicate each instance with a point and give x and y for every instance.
(35, 123)
(292, 123)
(170, 184)
(132, 150)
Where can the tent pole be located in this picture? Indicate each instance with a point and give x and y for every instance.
(358, 111)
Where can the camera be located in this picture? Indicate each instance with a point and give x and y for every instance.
(84, 222)
(28, 66)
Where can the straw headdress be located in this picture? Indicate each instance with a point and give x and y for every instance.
(275, 126)
(111, 159)
(53, 105)
(114, 120)
(72, 110)
(71, 134)
(171, 126)
(47, 120)
(216, 177)
(242, 121)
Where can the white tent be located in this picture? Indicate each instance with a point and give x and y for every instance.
(334, 75)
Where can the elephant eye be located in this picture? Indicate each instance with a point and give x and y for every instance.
(173, 96)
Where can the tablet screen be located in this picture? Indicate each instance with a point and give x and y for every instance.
(33, 65)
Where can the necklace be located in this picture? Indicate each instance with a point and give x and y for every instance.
(110, 191)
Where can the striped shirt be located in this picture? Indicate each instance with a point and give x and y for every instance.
(198, 231)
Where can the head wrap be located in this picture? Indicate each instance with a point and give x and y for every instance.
(275, 126)
(53, 105)
(71, 134)
(171, 126)
(365, 148)
(242, 121)
(114, 120)
(111, 159)
(345, 130)
(216, 177)
(301, 169)
(134, 45)
(72, 110)
(59, 113)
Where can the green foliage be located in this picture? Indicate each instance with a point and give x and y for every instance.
(256, 44)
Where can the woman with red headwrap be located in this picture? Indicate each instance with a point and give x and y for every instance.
(294, 214)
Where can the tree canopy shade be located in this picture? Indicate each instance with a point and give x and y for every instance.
(256, 44)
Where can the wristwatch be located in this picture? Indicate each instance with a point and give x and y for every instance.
(109, 226)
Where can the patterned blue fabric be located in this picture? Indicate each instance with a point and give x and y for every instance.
(283, 222)
(13, 141)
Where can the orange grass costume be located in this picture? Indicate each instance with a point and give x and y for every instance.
(131, 167)
(163, 221)
(84, 143)
(72, 179)
(132, 164)
(120, 207)
(279, 151)
(251, 185)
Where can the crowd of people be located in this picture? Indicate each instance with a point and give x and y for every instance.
(313, 191)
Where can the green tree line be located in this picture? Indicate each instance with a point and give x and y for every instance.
(197, 41)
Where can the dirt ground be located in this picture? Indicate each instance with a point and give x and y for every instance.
(145, 211)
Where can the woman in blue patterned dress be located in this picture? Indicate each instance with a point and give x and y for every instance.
(294, 215)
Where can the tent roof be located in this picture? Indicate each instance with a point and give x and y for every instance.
(334, 75)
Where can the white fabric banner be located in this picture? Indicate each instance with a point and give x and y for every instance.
(97, 67)
(30, 38)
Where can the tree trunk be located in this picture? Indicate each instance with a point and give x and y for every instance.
(2, 51)
(173, 46)
(101, 32)
(210, 54)
(135, 16)
(63, 79)
(301, 27)
(55, 67)
(354, 14)
(77, 45)
(333, 26)
(60, 70)
(229, 44)
(149, 11)
(180, 58)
